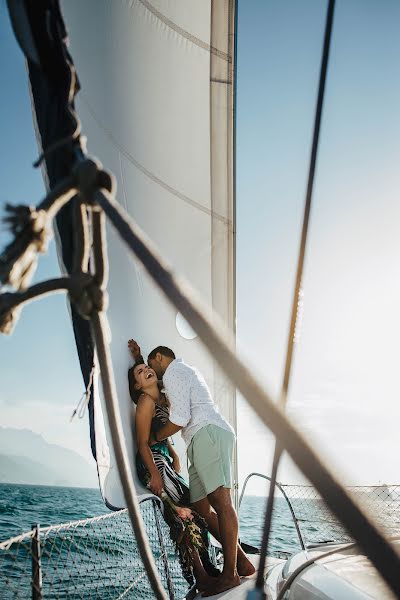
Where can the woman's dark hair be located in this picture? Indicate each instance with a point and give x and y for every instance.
(133, 392)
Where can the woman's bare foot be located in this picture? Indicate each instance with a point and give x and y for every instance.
(221, 584)
(204, 582)
(184, 513)
(245, 568)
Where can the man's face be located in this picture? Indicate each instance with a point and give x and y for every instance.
(156, 366)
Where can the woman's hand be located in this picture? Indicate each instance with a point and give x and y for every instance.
(156, 484)
(184, 513)
(134, 349)
(176, 463)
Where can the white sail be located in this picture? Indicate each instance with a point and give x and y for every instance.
(156, 105)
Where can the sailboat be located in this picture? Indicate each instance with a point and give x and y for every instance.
(171, 153)
(156, 102)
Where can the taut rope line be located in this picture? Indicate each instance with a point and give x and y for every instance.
(297, 288)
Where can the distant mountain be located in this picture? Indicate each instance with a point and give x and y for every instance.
(25, 457)
(18, 469)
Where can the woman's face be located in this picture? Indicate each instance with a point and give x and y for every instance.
(144, 377)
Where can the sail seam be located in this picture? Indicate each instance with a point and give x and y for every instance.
(226, 81)
(151, 175)
(183, 33)
(136, 265)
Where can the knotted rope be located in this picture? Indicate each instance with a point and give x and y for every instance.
(87, 292)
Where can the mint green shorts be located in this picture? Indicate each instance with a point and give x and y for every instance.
(210, 453)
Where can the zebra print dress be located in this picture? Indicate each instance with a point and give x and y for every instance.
(174, 485)
(187, 535)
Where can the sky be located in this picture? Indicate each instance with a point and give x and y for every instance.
(40, 375)
(344, 391)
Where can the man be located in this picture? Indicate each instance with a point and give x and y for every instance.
(210, 441)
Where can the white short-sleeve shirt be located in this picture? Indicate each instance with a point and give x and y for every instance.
(191, 404)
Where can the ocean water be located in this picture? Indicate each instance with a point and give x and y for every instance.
(104, 547)
(22, 506)
(100, 559)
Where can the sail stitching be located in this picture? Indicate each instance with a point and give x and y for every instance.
(151, 175)
(183, 33)
(226, 81)
(137, 267)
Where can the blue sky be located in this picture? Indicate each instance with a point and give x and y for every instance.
(40, 372)
(344, 377)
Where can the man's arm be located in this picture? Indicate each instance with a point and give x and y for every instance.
(177, 386)
(166, 430)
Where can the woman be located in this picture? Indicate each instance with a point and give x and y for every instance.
(158, 468)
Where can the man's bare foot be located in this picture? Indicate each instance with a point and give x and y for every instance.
(244, 566)
(221, 585)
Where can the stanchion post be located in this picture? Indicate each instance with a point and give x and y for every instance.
(36, 563)
(163, 552)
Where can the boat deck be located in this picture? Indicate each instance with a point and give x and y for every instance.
(246, 583)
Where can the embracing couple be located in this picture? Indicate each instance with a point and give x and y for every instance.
(185, 404)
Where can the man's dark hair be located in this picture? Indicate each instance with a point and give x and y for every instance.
(162, 350)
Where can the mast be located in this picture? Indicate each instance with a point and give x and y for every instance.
(223, 197)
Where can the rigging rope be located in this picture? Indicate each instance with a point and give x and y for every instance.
(214, 335)
(84, 399)
(88, 175)
(297, 295)
(87, 292)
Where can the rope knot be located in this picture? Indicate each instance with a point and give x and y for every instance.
(86, 173)
(90, 177)
(32, 231)
(88, 296)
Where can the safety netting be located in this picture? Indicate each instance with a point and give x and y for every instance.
(90, 558)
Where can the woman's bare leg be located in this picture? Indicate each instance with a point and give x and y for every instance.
(203, 580)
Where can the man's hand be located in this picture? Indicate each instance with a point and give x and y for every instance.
(176, 463)
(156, 484)
(167, 430)
(134, 349)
